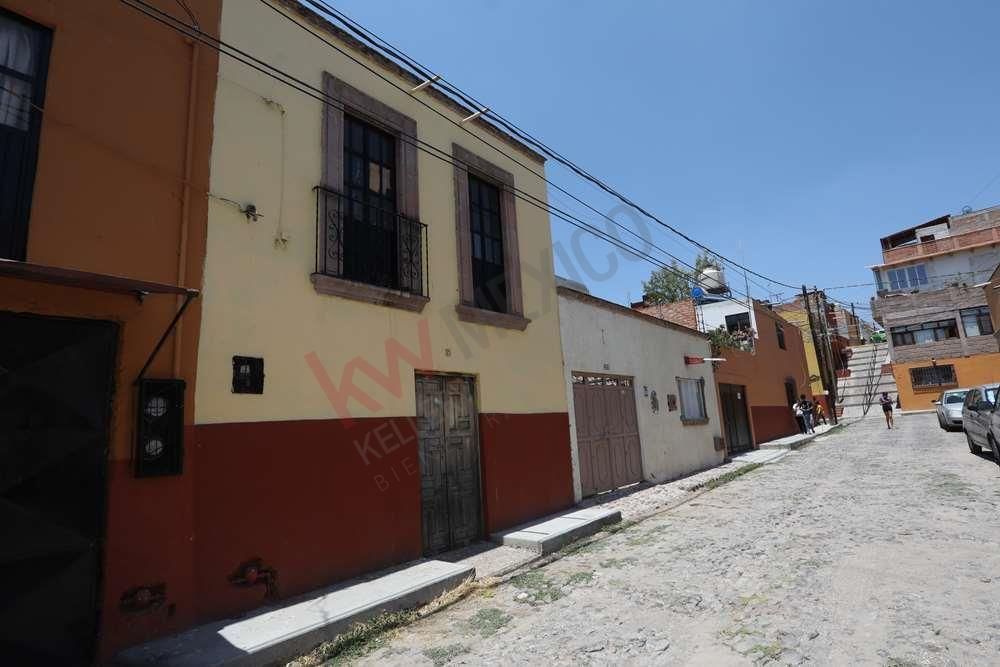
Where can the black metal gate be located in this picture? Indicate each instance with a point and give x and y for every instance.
(734, 414)
(56, 384)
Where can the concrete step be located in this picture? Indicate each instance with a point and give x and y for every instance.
(877, 385)
(555, 532)
(277, 634)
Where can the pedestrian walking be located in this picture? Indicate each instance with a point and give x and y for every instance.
(820, 415)
(797, 410)
(886, 404)
(806, 406)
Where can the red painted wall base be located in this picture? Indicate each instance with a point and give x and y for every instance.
(304, 504)
(772, 421)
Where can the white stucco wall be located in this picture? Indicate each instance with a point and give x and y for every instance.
(714, 314)
(603, 339)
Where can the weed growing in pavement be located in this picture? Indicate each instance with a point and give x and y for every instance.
(733, 632)
(751, 600)
(488, 621)
(648, 537)
(618, 563)
(768, 651)
(728, 477)
(536, 588)
(441, 655)
(578, 578)
(359, 641)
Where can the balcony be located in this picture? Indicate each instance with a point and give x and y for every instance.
(940, 246)
(367, 253)
(969, 279)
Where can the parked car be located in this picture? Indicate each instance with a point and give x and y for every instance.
(949, 409)
(977, 412)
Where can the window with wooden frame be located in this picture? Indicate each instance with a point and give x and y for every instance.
(779, 331)
(24, 60)
(692, 393)
(489, 265)
(371, 245)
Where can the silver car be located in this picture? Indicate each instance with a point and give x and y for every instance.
(949, 409)
(977, 413)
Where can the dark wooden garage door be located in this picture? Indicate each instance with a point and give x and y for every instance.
(607, 432)
(449, 462)
(56, 383)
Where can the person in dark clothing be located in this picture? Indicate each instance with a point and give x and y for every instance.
(807, 413)
(886, 404)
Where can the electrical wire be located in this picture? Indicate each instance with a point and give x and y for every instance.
(521, 134)
(305, 88)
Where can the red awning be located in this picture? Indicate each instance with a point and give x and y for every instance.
(86, 280)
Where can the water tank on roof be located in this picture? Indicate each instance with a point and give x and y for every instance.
(713, 280)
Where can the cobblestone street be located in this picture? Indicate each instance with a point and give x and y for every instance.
(867, 547)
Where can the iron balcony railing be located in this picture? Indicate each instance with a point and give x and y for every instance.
(369, 244)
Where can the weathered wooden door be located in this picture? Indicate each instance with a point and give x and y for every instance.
(607, 432)
(56, 384)
(451, 503)
(735, 418)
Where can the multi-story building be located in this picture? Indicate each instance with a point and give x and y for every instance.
(992, 290)
(931, 303)
(106, 126)
(380, 370)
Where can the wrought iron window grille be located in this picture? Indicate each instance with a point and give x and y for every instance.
(369, 244)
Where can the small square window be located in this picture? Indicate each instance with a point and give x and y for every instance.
(248, 375)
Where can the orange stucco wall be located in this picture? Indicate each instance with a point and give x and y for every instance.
(108, 198)
(763, 373)
(969, 371)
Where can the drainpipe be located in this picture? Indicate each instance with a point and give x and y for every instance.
(186, 196)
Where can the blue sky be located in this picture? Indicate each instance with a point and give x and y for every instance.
(790, 134)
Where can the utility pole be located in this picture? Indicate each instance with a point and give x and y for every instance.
(857, 327)
(831, 367)
(820, 354)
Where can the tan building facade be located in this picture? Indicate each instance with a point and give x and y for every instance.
(380, 371)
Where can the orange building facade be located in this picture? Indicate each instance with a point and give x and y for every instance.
(773, 375)
(106, 124)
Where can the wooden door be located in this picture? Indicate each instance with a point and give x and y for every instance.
(607, 432)
(56, 387)
(735, 418)
(451, 503)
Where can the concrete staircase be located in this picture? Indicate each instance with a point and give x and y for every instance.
(862, 388)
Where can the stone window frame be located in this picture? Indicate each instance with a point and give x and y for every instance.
(367, 108)
(466, 161)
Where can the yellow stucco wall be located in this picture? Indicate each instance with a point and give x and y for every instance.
(801, 320)
(258, 299)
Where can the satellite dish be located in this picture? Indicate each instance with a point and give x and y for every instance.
(697, 292)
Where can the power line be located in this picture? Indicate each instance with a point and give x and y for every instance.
(306, 89)
(511, 127)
